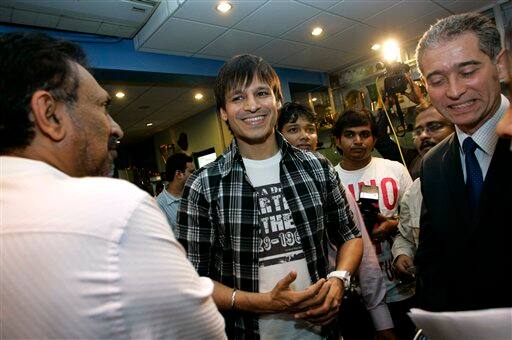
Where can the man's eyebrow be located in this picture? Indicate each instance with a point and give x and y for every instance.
(235, 91)
(263, 87)
(458, 66)
(468, 63)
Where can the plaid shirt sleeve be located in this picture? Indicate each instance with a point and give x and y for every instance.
(340, 221)
(194, 229)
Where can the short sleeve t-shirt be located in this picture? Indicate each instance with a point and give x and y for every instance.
(280, 248)
(392, 179)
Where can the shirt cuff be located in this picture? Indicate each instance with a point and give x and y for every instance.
(381, 317)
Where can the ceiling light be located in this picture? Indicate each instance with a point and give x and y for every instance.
(120, 94)
(391, 51)
(314, 99)
(376, 47)
(198, 96)
(224, 7)
(317, 31)
(118, 141)
(149, 124)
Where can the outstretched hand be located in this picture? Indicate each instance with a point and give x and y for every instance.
(403, 263)
(285, 299)
(327, 303)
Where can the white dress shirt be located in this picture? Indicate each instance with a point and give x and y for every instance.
(485, 137)
(93, 258)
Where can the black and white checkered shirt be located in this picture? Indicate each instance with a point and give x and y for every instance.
(218, 221)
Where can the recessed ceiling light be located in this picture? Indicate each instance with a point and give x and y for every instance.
(120, 94)
(118, 141)
(224, 7)
(314, 99)
(149, 124)
(317, 31)
(376, 47)
(198, 96)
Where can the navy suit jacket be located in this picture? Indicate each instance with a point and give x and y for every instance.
(464, 257)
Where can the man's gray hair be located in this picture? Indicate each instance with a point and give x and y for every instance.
(455, 25)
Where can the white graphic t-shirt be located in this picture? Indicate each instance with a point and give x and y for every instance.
(280, 248)
(392, 179)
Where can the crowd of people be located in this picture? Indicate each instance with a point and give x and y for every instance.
(268, 241)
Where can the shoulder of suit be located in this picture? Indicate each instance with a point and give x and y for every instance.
(439, 150)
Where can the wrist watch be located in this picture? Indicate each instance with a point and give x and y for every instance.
(343, 275)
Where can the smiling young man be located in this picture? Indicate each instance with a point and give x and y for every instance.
(464, 224)
(255, 219)
(354, 133)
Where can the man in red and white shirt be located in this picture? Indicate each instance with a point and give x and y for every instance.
(354, 132)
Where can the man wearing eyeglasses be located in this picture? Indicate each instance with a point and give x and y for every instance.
(430, 128)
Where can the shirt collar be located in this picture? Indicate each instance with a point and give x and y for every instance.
(169, 199)
(485, 137)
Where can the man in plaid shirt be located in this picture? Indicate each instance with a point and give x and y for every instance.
(257, 219)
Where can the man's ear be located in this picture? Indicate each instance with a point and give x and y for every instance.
(279, 105)
(337, 141)
(223, 114)
(178, 174)
(48, 117)
(503, 65)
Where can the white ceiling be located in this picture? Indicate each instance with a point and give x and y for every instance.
(121, 18)
(277, 30)
(161, 105)
(280, 30)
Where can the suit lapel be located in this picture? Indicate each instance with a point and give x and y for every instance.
(454, 179)
(499, 169)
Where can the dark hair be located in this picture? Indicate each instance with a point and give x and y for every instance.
(354, 118)
(240, 71)
(31, 62)
(176, 162)
(290, 112)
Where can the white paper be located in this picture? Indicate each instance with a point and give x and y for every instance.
(488, 324)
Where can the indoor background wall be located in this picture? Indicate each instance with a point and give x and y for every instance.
(203, 130)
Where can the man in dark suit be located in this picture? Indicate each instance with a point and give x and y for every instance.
(465, 226)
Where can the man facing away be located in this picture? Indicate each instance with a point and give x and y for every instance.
(178, 169)
(430, 128)
(255, 219)
(465, 228)
(354, 133)
(82, 257)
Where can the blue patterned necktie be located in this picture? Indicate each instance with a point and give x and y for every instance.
(474, 178)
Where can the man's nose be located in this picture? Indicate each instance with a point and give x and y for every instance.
(115, 129)
(456, 88)
(304, 135)
(251, 104)
(425, 134)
